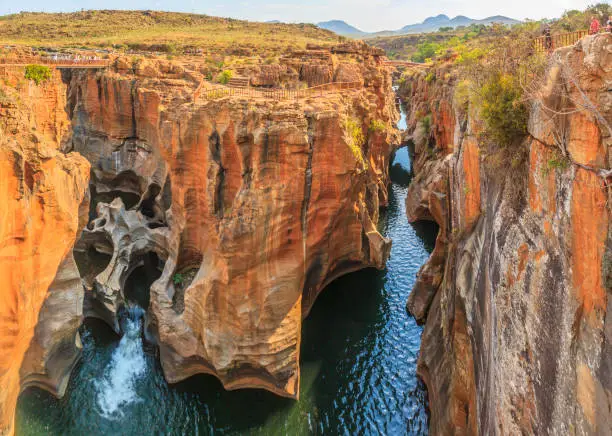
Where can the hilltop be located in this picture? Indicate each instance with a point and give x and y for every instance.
(341, 28)
(158, 31)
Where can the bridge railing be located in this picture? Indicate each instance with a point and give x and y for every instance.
(54, 62)
(552, 42)
(406, 64)
(276, 94)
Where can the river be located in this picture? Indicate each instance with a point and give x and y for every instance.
(358, 360)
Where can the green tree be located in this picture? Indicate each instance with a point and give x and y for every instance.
(37, 73)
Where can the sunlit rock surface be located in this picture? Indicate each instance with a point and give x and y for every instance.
(515, 298)
(250, 206)
(43, 206)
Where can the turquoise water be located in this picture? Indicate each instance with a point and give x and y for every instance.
(358, 359)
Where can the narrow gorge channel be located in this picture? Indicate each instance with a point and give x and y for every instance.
(358, 358)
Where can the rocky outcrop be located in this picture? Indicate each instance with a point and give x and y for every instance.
(127, 236)
(43, 206)
(263, 203)
(515, 298)
(247, 209)
(250, 208)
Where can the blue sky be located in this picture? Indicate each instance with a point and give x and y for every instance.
(369, 15)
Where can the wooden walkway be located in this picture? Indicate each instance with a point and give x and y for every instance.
(276, 94)
(553, 42)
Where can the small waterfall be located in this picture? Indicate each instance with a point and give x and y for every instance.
(117, 387)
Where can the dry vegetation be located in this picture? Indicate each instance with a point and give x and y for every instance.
(167, 32)
(431, 46)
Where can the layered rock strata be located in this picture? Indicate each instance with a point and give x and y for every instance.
(515, 298)
(44, 204)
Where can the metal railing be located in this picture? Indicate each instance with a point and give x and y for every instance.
(406, 64)
(276, 94)
(552, 42)
(83, 63)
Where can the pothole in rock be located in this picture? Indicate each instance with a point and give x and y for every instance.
(181, 282)
(138, 284)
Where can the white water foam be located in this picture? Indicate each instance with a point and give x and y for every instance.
(117, 387)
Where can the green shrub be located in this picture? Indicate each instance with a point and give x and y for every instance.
(462, 95)
(377, 126)
(502, 109)
(178, 279)
(558, 162)
(224, 77)
(169, 48)
(426, 122)
(355, 139)
(37, 73)
(425, 51)
(136, 61)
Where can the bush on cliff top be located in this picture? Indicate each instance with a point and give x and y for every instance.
(503, 110)
(224, 77)
(37, 73)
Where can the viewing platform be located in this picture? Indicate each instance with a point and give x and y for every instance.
(559, 40)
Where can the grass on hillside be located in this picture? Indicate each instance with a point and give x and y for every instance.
(169, 32)
(436, 45)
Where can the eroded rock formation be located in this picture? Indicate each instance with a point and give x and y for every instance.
(515, 298)
(251, 206)
(127, 236)
(269, 203)
(44, 204)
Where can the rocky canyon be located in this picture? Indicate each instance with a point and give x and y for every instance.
(241, 211)
(177, 191)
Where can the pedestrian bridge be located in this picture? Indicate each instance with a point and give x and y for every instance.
(405, 64)
(56, 63)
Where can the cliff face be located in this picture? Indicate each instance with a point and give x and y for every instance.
(252, 207)
(243, 210)
(515, 298)
(43, 198)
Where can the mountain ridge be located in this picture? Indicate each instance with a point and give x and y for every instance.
(430, 24)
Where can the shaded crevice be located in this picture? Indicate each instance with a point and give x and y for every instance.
(138, 283)
(188, 265)
(219, 178)
(166, 198)
(133, 92)
(148, 205)
(307, 180)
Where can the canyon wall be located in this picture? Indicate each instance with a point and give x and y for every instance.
(44, 202)
(252, 207)
(240, 209)
(515, 297)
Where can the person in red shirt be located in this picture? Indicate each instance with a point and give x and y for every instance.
(595, 26)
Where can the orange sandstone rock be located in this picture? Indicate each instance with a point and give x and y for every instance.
(41, 191)
(520, 316)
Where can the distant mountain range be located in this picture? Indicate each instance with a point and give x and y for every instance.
(341, 28)
(431, 24)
